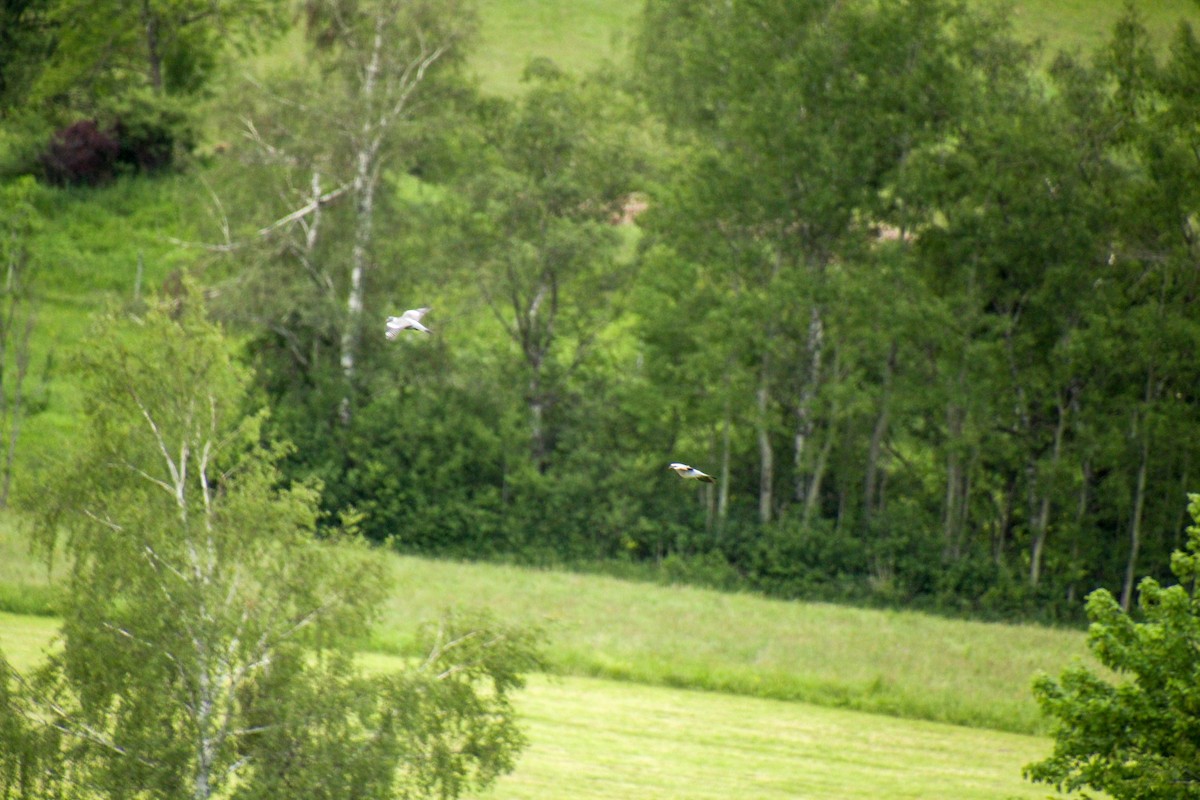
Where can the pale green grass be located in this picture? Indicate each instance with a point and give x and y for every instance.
(905, 664)
(576, 34)
(580, 34)
(1081, 26)
(25, 640)
(25, 582)
(85, 258)
(596, 739)
(602, 740)
(895, 662)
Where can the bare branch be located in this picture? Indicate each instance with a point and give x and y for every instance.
(307, 209)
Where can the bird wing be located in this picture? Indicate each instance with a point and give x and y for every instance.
(415, 314)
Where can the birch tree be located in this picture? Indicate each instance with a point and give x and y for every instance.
(336, 134)
(206, 635)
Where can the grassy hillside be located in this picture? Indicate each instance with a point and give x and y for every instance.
(92, 249)
(1084, 25)
(578, 34)
(87, 260)
(601, 740)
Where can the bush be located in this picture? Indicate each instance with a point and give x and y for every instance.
(80, 154)
(151, 131)
(1136, 735)
(144, 135)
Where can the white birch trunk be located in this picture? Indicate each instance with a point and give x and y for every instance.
(804, 405)
(365, 178)
(766, 455)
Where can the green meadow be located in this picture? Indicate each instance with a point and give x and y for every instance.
(608, 740)
(581, 34)
(898, 663)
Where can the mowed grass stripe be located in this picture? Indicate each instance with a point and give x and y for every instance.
(597, 739)
(594, 739)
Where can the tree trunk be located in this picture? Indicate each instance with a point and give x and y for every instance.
(1135, 523)
(723, 491)
(818, 474)
(804, 404)
(1077, 534)
(1042, 520)
(878, 432)
(153, 56)
(954, 427)
(766, 455)
(539, 450)
(366, 174)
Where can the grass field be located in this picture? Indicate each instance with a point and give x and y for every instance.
(576, 34)
(894, 662)
(1081, 26)
(598, 739)
(604, 740)
(579, 34)
(899, 663)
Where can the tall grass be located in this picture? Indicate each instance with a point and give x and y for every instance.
(894, 662)
(85, 257)
(903, 664)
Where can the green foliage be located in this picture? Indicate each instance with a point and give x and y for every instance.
(206, 630)
(1136, 738)
(960, 285)
(102, 49)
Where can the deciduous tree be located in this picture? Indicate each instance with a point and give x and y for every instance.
(1138, 736)
(207, 634)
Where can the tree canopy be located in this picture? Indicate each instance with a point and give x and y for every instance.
(1136, 737)
(920, 296)
(208, 635)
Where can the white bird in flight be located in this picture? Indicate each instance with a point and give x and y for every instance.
(686, 472)
(409, 319)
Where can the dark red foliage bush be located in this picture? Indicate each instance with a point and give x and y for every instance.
(80, 153)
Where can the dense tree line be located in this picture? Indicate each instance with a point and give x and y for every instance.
(920, 297)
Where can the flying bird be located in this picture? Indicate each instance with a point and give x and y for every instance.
(409, 319)
(690, 473)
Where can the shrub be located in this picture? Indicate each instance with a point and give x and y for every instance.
(150, 130)
(1138, 735)
(80, 153)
